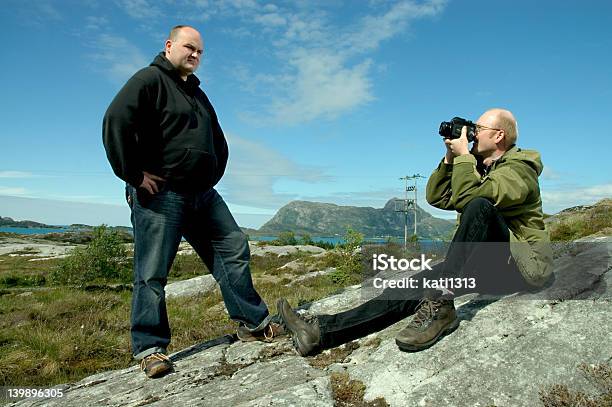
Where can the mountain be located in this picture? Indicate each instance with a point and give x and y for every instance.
(324, 219)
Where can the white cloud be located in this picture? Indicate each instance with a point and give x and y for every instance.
(46, 11)
(13, 191)
(118, 58)
(325, 69)
(550, 174)
(139, 9)
(323, 86)
(254, 169)
(567, 196)
(16, 174)
(96, 23)
(372, 30)
(270, 20)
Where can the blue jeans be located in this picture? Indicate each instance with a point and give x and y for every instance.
(159, 222)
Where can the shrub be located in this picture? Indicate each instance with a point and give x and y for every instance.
(323, 245)
(104, 258)
(350, 265)
(287, 239)
(306, 239)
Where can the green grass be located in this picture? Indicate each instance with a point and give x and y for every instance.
(59, 334)
(18, 271)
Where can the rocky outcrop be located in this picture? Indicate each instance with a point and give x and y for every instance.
(504, 353)
(257, 250)
(194, 286)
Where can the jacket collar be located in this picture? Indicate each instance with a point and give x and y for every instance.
(190, 85)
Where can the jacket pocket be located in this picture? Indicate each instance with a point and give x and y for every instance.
(195, 170)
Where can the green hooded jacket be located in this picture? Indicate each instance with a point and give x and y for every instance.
(511, 183)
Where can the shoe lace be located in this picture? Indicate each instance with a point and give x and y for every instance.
(272, 333)
(426, 310)
(154, 356)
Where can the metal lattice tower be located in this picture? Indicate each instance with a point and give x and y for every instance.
(404, 205)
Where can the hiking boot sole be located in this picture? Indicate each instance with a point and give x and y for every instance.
(302, 349)
(158, 370)
(409, 347)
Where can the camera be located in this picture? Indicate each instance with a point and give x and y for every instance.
(452, 129)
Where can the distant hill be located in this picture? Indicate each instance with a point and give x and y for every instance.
(9, 222)
(580, 221)
(325, 219)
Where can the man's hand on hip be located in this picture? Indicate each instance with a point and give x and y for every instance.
(149, 182)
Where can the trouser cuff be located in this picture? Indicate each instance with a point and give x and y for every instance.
(262, 325)
(150, 351)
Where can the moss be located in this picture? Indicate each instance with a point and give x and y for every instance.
(335, 355)
(599, 376)
(348, 392)
(373, 342)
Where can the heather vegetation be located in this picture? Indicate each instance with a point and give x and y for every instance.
(574, 223)
(62, 319)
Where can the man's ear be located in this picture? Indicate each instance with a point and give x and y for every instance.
(167, 46)
(501, 135)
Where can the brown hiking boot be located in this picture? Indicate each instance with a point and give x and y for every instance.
(306, 336)
(271, 331)
(432, 320)
(156, 364)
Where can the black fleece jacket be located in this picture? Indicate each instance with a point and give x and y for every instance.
(163, 125)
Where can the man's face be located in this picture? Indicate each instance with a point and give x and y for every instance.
(185, 51)
(486, 136)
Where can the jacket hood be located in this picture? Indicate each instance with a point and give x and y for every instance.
(162, 63)
(529, 157)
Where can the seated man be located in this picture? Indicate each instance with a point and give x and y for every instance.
(495, 189)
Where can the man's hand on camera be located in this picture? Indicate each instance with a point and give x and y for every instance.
(149, 182)
(456, 147)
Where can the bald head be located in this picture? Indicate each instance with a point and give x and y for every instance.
(502, 119)
(176, 30)
(184, 48)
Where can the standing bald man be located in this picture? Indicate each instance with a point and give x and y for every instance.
(500, 243)
(162, 137)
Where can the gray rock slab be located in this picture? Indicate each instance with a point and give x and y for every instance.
(502, 355)
(130, 387)
(251, 352)
(194, 286)
(257, 250)
(581, 270)
(36, 249)
(316, 392)
(286, 375)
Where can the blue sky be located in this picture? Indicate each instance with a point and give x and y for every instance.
(327, 101)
